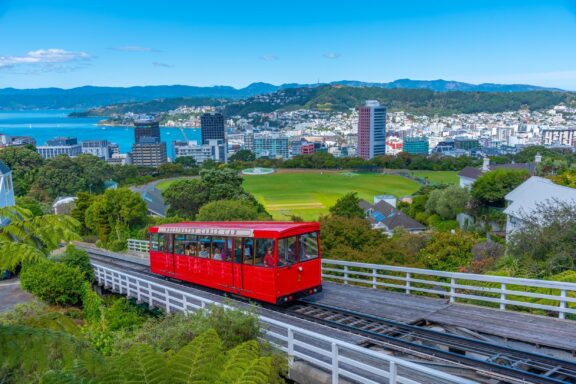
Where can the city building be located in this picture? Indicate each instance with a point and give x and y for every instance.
(528, 197)
(559, 137)
(307, 148)
(98, 148)
(371, 130)
(146, 128)
(147, 149)
(20, 141)
(465, 143)
(6, 188)
(120, 159)
(149, 152)
(416, 145)
(60, 146)
(212, 127)
(213, 150)
(271, 145)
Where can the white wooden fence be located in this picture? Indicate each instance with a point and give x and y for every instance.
(506, 293)
(341, 359)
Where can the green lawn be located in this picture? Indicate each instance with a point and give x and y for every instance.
(438, 177)
(310, 194)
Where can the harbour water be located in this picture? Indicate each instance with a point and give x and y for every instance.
(47, 124)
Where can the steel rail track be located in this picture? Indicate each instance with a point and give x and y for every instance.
(502, 362)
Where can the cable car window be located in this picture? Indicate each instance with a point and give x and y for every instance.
(190, 245)
(287, 251)
(308, 246)
(179, 244)
(238, 250)
(248, 251)
(229, 249)
(162, 246)
(264, 253)
(218, 248)
(204, 247)
(154, 242)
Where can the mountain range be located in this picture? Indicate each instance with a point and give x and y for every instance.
(92, 96)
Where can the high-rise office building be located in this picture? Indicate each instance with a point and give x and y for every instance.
(146, 128)
(148, 150)
(371, 130)
(272, 146)
(416, 145)
(214, 150)
(60, 146)
(212, 127)
(98, 148)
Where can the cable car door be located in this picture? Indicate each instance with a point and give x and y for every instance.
(237, 270)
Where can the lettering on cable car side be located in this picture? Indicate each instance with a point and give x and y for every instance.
(208, 231)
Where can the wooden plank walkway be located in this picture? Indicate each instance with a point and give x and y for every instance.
(532, 329)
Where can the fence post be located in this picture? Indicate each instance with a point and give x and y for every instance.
(561, 313)
(290, 347)
(345, 275)
(150, 302)
(393, 373)
(408, 276)
(374, 274)
(335, 369)
(452, 289)
(138, 299)
(167, 300)
(503, 297)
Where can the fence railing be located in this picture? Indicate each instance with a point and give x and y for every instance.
(135, 245)
(341, 359)
(505, 293)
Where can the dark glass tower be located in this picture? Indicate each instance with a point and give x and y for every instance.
(212, 126)
(146, 128)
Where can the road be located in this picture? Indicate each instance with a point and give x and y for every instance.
(11, 294)
(153, 197)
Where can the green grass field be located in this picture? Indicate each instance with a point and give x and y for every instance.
(310, 194)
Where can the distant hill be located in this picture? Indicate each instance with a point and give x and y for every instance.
(342, 98)
(90, 96)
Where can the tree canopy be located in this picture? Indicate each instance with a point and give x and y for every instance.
(348, 206)
(230, 210)
(491, 188)
(24, 164)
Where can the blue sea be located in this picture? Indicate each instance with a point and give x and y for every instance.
(47, 124)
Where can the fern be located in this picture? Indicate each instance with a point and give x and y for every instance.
(243, 365)
(199, 361)
(27, 238)
(141, 364)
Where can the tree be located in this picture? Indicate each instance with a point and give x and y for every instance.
(491, 188)
(448, 251)
(545, 244)
(348, 206)
(448, 202)
(567, 178)
(230, 210)
(31, 204)
(24, 164)
(31, 238)
(185, 197)
(114, 215)
(83, 201)
(170, 169)
(186, 161)
(78, 258)
(243, 155)
(95, 172)
(54, 283)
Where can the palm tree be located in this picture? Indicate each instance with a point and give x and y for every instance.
(28, 238)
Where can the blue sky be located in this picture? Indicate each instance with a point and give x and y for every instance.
(65, 43)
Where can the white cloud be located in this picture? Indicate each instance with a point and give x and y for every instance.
(134, 48)
(331, 55)
(163, 65)
(269, 58)
(46, 60)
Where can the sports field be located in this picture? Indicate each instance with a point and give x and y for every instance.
(309, 194)
(438, 177)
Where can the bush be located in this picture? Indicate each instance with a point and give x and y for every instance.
(121, 314)
(74, 257)
(54, 283)
(91, 304)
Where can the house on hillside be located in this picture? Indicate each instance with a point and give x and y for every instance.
(469, 174)
(383, 215)
(6, 189)
(526, 198)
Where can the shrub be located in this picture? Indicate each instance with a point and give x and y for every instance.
(54, 283)
(78, 258)
(122, 314)
(91, 304)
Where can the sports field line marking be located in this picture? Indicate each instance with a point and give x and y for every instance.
(310, 205)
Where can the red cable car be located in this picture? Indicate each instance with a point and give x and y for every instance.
(274, 262)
